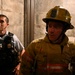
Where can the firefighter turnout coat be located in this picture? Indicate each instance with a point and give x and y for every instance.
(44, 58)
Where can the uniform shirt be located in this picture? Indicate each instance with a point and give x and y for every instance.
(17, 44)
(8, 70)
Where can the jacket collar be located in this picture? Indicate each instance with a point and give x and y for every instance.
(64, 41)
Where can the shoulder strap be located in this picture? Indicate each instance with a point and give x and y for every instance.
(10, 34)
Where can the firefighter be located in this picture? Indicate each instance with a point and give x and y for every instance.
(51, 54)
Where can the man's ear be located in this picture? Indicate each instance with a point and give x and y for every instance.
(47, 27)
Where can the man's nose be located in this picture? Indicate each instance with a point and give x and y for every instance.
(52, 29)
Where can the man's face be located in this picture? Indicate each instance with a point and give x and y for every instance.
(54, 30)
(3, 23)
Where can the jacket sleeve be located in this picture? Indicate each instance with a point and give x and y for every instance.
(28, 60)
(72, 48)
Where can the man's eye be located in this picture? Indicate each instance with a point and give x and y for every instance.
(1, 21)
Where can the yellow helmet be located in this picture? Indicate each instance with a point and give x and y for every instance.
(59, 14)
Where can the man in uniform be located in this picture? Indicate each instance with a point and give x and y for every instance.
(52, 54)
(11, 49)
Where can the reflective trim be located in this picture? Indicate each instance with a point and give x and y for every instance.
(27, 57)
(52, 67)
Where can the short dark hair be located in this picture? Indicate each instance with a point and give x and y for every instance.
(7, 19)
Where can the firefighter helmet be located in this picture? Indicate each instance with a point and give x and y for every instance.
(59, 14)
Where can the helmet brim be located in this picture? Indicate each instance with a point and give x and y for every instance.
(70, 26)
